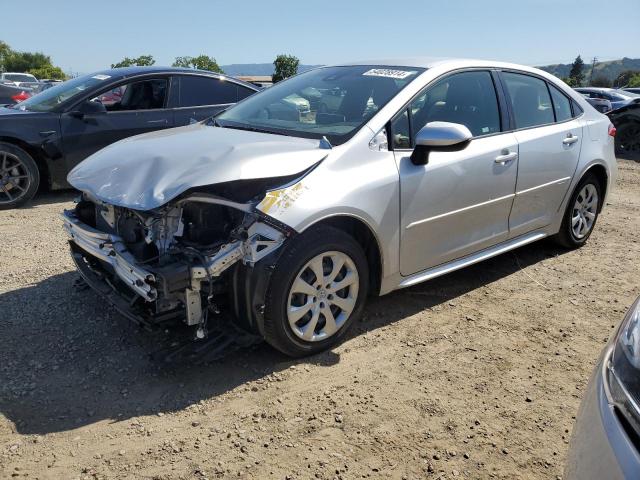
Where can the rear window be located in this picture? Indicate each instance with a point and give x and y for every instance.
(198, 91)
(18, 77)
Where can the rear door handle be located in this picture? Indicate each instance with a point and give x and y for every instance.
(570, 140)
(158, 121)
(506, 157)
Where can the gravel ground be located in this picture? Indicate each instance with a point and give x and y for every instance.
(474, 375)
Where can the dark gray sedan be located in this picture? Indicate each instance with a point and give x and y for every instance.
(606, 438)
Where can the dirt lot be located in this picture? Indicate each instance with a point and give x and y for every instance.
(474, 375)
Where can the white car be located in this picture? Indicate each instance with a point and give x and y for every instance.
(18, 79)
(285, 225)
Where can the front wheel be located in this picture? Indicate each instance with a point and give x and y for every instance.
(318, 289)
(581, 213)
(19, 176)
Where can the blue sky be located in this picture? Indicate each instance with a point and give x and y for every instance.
(83, 36)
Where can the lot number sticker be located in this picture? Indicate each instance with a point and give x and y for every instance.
(388, 73)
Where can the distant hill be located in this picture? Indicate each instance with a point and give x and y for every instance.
(257, 69)
(609, 70)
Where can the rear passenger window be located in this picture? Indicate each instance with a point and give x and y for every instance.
(561, 104)
(196, 91)
(529, 99)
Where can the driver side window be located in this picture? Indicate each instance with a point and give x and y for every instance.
(467, 98)
(141, 95)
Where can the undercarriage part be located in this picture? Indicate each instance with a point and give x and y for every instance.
(174, 262)
(193, 303)
(223, 338)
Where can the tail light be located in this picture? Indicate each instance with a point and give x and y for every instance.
(612, 130)
(21, 96)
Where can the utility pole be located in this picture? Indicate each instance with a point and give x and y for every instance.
(593, 67)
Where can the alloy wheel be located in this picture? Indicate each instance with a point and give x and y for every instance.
(629, 138)
(584, 211)
(322, 296)
(14, 178)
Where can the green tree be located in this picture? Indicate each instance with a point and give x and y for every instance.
(35, 63)
(49, 71)
(623, 79)
(570, 81)
(183, 62)
(602, 82)
(5, 50)
(285, 66)
(634, 81)
(201, 62)
(25, 61)
(141, 61)
(577, 71)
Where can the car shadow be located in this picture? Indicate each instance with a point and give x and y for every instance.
(48, 198)
(68, 360)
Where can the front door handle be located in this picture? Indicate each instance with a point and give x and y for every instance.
(570, 140)
(506, 157)
(164, 120)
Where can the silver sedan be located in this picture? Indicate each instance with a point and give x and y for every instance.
(284, 223)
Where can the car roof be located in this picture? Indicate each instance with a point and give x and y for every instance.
(432, 62)
(451, 63)
(126, 72)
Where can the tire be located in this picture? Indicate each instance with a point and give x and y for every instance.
(627, 140)
(19, 176)
(298, 337)
(574, 234)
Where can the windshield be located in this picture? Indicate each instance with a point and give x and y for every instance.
(332, 101)
(50, 98)
(19, 77)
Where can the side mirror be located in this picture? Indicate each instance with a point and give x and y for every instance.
(88, 108)
(439, 136)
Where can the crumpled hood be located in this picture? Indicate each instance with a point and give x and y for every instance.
(149, 170)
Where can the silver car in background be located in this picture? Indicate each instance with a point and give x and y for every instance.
(606, 438)
(285, 223)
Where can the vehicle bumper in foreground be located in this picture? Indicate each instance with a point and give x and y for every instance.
(111, 250)
(600, 446)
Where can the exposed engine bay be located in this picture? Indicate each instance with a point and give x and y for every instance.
(175, 263)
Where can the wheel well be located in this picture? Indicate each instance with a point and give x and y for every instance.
(45, 179)
(361, 232)
(601, 174)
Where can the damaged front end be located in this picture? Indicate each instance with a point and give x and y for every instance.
(197, 256)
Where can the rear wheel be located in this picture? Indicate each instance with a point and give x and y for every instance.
(19, 176)
(316, 292)
(628, 140)
(581, 214)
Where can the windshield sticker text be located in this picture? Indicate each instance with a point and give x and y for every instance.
(388, 73)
